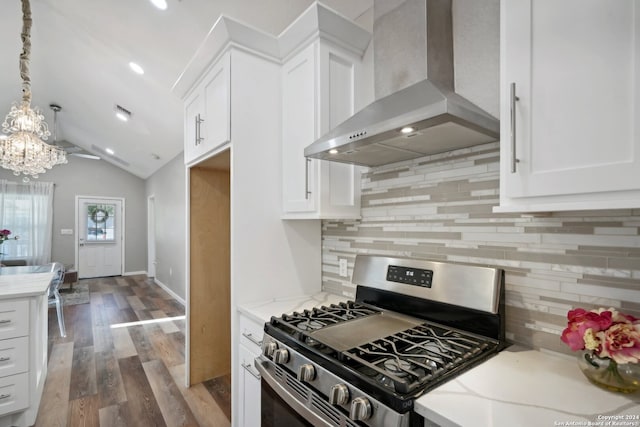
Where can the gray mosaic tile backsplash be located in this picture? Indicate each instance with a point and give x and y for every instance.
(440, 208)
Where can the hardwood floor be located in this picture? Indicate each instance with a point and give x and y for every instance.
(122, 365)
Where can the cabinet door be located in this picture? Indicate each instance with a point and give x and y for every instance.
(208, 112)
(339, 183)
(318, 94)
(193, 109)
(249, 389)
(574, 65)
(216, 90)
(299, 130)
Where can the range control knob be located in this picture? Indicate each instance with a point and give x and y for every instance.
(306, 372)
(339, 394)
(269, 349)
(281, 356)
(360, 409)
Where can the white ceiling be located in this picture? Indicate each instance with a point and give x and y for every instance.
(80, 55)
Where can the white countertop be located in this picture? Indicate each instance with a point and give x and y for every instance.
(24, 285)
(261, 312)
(523, 387)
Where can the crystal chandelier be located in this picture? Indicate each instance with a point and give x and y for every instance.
(24, 151)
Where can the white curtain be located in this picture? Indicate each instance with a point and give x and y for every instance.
(26, 209)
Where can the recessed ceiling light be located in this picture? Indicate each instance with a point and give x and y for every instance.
(109, 151)
(407, 129)
(333, 151)
(160, 4)
(136, 68)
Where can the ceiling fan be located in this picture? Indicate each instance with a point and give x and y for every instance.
(69, 148)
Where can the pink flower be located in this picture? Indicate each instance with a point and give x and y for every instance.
(580, 321)
(621, 342)
(606, 332)
(5, 232)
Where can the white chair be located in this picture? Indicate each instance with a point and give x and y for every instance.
(54, 294)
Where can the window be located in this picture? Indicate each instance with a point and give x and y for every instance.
(27, 210)
(101, 222)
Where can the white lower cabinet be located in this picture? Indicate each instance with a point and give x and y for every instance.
(249, 378)
(23, 358)
(249, 389)
(14, 393)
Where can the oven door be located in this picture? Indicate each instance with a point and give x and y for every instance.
(285, 401)
(276, 411)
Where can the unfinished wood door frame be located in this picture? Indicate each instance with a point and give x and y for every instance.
(209, 298)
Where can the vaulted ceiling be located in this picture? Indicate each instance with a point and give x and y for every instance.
(80, 55)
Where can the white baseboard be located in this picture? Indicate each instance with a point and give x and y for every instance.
(169, 291)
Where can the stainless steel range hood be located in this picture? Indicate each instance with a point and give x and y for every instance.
(413, 65)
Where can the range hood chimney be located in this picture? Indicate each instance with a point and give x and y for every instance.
(416, 111)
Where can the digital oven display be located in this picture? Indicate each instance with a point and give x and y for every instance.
(410, 276)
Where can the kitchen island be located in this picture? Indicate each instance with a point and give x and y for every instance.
(23, 342)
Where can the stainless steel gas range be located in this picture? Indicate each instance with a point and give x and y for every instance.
(414, 325)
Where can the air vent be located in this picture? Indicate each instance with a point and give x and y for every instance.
(329, 411)
(279, 372)
(333, 415)
(297, 387)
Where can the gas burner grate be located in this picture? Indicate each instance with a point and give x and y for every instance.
(321, 317)
(412, 358)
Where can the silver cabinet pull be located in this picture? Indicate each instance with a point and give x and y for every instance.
(514, 98)
(4, 396)
(3, 321)
(196, 126)
(252, 339)
(306, 179)
(248, 368)
(199, 121)
(4, 359)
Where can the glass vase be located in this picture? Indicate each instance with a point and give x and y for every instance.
(609, 375)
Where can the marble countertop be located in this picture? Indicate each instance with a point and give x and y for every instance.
(24, 285)
(523, 387)
(261, 312)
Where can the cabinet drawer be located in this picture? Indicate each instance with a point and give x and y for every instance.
(13, 356)
(247, 358)
(14, 393)
(251, 333)
(14, 318)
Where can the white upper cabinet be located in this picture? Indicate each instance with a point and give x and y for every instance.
(570, 110)
(320, 89)
(207, 112)
(205, 85)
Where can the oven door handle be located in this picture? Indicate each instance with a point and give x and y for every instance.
(297, 406)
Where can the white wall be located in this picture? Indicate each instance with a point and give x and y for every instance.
(167, 187)
(95, 178)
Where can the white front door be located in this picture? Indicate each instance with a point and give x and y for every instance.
(100, 234)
